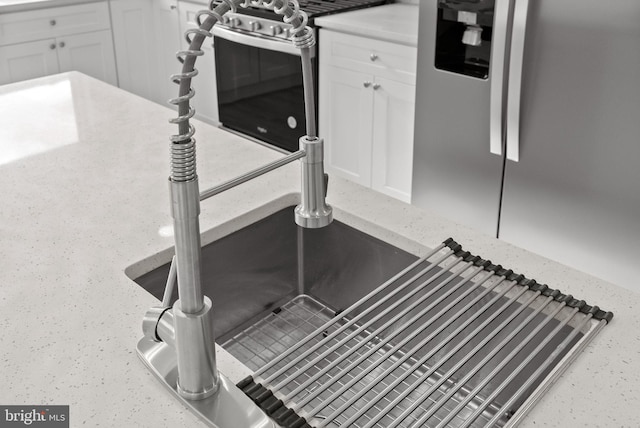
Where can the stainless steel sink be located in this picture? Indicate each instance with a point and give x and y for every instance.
(260, 268)
(344, 329)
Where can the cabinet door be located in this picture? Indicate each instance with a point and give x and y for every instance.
(166, 43)
(89, 53)
(28, 61)
(392, 151)
(345, 110)
(133, 35)
(205, 101)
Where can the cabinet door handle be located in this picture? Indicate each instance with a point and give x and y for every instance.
(52, 46)
(53, 22)
(373, 57)
(366, 84)
(62, 44)
(173, 7)
(376, 86)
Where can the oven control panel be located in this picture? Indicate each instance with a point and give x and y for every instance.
(256, 25)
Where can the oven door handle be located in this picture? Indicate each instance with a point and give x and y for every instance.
(257, 41)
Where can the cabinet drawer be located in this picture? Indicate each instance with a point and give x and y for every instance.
(39, 24)
(385, 59)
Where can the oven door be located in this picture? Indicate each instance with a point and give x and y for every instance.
(260, 91)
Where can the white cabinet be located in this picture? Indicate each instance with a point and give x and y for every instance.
(146, 37)
(133, 35)
(366, 110)
(28, 60)
(346, 109)
(167, 40)
(392, 140)
(51, 40)
(205, 101)
(91, 53)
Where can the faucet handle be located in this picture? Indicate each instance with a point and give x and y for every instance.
(171, 284)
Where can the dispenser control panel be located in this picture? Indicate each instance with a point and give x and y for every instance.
(463, 41)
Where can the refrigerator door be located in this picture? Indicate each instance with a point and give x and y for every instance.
(454, 173)
(574, 196)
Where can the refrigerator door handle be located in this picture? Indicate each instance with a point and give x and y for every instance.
(516, 58)
(498, 58)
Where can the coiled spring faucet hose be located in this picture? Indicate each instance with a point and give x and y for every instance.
(183, 163)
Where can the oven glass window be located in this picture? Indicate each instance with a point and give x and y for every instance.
(260, 93)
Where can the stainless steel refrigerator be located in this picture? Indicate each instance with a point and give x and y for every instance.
(528, 126)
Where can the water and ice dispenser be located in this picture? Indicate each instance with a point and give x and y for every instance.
(463, 41)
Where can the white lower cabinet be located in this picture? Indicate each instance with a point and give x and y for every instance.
(133, 35)
(392, 147)
(51, 40)
(204, 84)
(147, 37)
(167, 39)
(346, 122)
(28, 60)
(366, 111)
(90, 53)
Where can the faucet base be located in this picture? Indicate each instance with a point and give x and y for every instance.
(195, 352)
(229, 407)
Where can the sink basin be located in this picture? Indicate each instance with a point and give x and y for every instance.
(259, 269)
(447, 340)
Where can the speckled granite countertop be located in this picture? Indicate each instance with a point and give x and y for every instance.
(83, 170)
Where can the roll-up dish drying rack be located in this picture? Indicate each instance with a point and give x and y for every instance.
(451, 341)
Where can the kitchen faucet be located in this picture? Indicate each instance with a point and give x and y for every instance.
(185, 330)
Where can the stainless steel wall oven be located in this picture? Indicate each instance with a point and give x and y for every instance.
(259, 75)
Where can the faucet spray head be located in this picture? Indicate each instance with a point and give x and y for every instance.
(313, 211)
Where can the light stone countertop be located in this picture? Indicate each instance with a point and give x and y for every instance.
(83, 171)
(396, 22)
